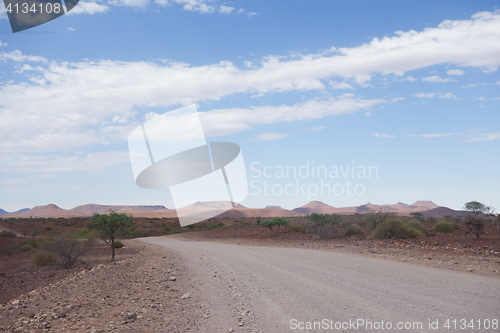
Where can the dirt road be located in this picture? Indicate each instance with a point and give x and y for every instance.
(263, 289)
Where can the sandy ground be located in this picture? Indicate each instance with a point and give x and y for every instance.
(151, 291)
(182, 283)
(269, 287)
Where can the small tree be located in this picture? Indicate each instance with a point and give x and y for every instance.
(476, 208)
(35, 233)
(417, 215)
(238, 224)
(68, 248)
(317, 220)
(475, 224)
(377, 217)
(25, 232)
(279, 221)
(110, 226)
(268, 224)
(332, 219)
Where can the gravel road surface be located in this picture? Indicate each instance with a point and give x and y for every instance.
(264, 289)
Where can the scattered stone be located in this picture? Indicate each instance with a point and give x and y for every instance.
(130, 318)
(186, 295)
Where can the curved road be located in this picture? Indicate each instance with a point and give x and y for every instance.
(284, 289)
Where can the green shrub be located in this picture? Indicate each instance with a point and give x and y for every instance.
(43, 259)
(419, 226)
(7, 233)
(396, 229)
(166, 228)
(177, 231)
(30, 242)
(353, 229)
(295, 228)
(25, 248)
(118, 244)
(444, 227)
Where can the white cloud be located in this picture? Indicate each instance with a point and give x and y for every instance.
(17, 56)
(436, 78)
(471, 85)
(228, 121)
(270, 136)
(71, 29)
(397, 99)
(496, 98)
(129, 3)
(201, 6)
(55, 163)
(478, 98)
(225, 9)
(410, 78)
(250, 14)
(379, 135)
(455, 72)
(485, 137)
(85, 7)
(3, 44)
(424, 95)
(450, 96)
(340, 85)
(315, 129)
(73, 104)
(367, 114)
(248, 64)
(498, 82)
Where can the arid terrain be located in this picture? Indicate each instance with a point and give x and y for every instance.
(160, 287)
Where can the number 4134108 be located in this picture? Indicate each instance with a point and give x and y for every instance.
(34, 8)
(464, 324)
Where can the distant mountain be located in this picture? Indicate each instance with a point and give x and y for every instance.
(400, 208)
(218, 209)
(426, 204)
(273, 207)
(442, 211)
(317, 207)
(19, 211)
(93, 208)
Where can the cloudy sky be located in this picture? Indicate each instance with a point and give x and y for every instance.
(407, 90)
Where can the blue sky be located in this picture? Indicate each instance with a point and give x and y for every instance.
(411, 88)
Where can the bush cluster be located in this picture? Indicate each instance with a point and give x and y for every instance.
(353, 229)
(444, 227)
(396, 228)
(118, 244)
(419, 226)
(295, 228)
(30, 242)
(7, 233)
(25, 248)
(43, 258)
